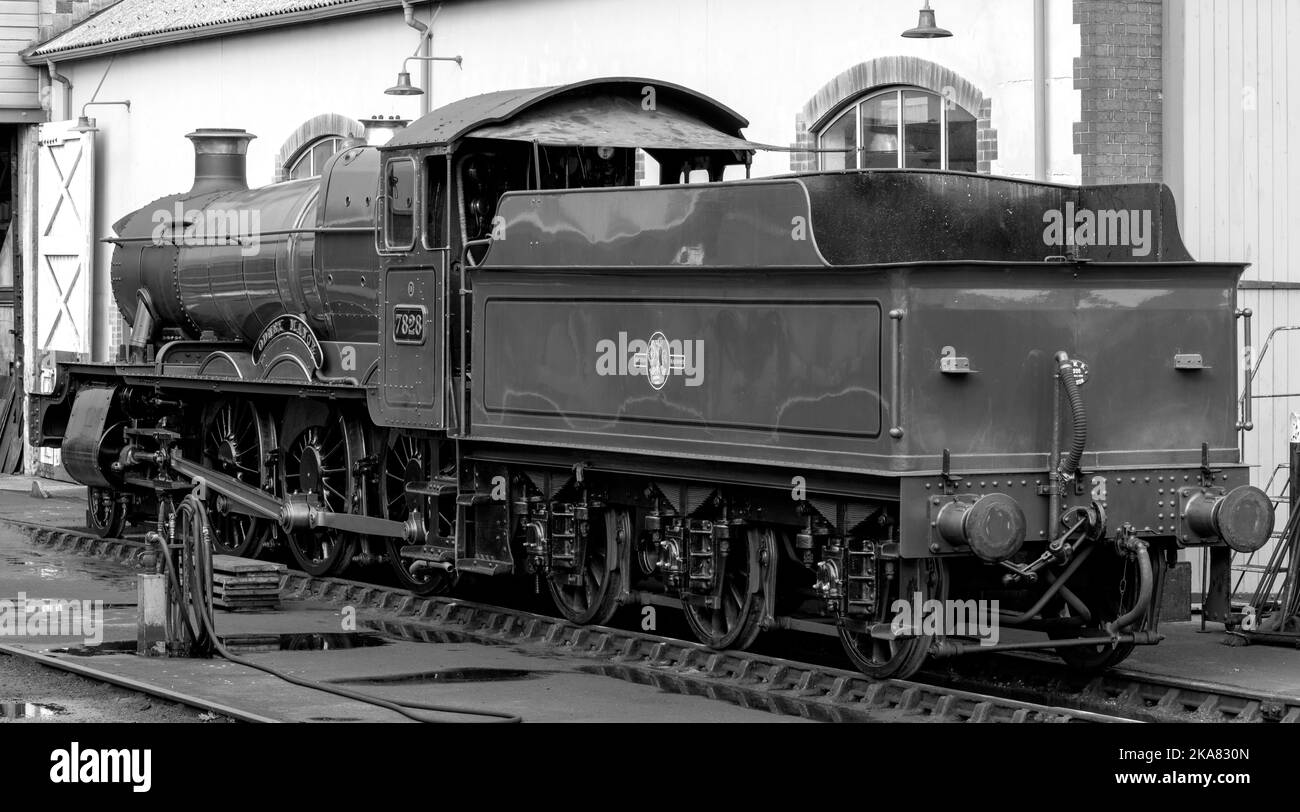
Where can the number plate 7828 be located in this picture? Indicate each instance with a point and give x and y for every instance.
(408, 324)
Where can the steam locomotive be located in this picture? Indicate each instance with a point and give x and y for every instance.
(482, 349)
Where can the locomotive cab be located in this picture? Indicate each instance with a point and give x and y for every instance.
(442, 182)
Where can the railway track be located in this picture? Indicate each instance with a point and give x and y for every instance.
(215, 710)
(1134, 694)
(1017, 689)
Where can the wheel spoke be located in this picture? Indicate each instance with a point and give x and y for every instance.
(333, 448)
(737, 597)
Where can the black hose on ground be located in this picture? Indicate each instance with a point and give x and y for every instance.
(1079, 418)
(199, 618)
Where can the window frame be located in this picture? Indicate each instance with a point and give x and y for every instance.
(385, 232)
(308, 151)
(426, 185)
(855, 106)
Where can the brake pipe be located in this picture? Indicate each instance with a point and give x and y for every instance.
(1146, 583)
(1078, 417)
(1051, 590)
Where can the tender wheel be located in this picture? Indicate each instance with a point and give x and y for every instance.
(105, 514)
(321, 463)
(596, 599)
(409, 459)
(237, 441)
(736, 622)
(1109, 589)
(883, 655)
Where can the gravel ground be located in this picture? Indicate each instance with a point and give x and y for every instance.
(71, 698)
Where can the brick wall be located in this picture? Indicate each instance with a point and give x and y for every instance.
(803, 159)
(986, 138)
(57, 16)
(1119, 133)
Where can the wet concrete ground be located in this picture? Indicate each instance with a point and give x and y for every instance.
(466, 674)
(318, 644)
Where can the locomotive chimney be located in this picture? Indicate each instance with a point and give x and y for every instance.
(220, 160)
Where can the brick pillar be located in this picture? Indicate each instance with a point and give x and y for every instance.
(1119, 132)
(802, 160)
(986, 138)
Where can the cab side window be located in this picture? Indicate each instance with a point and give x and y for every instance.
(435, 202)
(399, 204)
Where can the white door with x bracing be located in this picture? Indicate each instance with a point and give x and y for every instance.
(64, 277)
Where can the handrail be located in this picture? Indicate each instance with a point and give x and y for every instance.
(1246, 423)
(466, 258)
(896, 376)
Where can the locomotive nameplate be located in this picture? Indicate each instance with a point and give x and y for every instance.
(408, 324)
(293, 327)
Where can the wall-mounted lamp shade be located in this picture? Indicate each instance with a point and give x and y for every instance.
(403, 86)
(85, 125)
(926, 27)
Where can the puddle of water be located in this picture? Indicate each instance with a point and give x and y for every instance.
(30, 710)
(335, 719)
(446, 675)
(16, 554)
(435, 635)
(96, 650)
(249, 643)
(327, 641)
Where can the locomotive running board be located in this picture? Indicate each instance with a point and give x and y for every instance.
(291, 514)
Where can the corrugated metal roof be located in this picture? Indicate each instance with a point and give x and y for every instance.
(133, 22)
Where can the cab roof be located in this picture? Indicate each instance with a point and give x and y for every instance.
(619, 111)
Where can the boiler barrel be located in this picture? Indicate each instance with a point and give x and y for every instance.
(229, 260)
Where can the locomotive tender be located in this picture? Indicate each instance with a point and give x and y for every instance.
(789, 402)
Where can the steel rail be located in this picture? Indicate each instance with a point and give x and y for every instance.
(91, 673)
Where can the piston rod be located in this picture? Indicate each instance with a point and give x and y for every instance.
(291, 514)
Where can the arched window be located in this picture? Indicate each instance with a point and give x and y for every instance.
(900, 128)
(310, 160)
(304, 152)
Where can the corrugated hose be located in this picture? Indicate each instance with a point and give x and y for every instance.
(199, 617)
